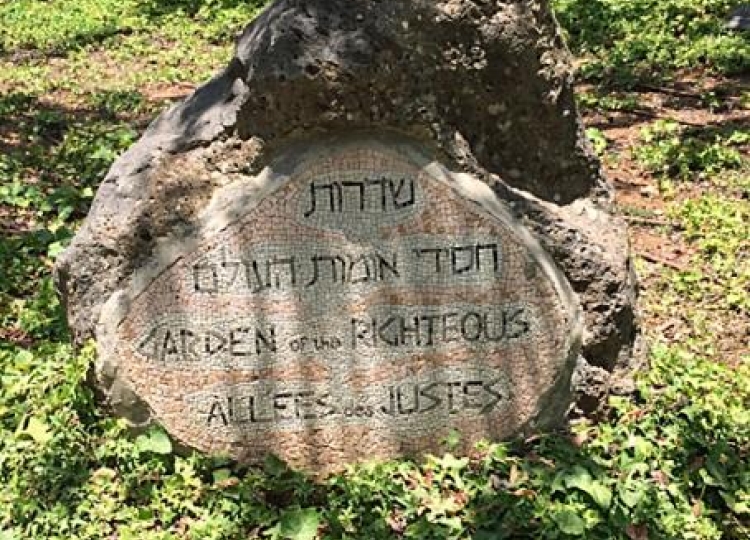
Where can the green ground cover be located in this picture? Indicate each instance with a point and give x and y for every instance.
(79, 80)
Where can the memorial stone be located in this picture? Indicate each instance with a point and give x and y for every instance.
(380, 224)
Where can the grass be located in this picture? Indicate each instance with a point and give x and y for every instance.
(629, 43)
(80, 80)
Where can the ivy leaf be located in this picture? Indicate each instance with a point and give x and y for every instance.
(581, 479)
(38, 430)
(8, 535)
(631, 495)
(570, 523)
(156, 441)
(453, 439)
(449, 462)
(274, 465)
(601, 494)
(299, 524)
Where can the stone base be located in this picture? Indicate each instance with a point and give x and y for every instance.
(482, 90)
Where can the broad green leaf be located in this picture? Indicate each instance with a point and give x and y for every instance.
(441, 506)
(222, 475)
(570, 523)
(714, 466)
(156, 441)
(581, 479)
(23, 360)
(453, 523)
(274, 465)
(631, 495)
(38, 430)
(160, 443)
(300, 524)
(577, 477)
(451, 462)
(558, 484)
(55, 249)
(738, 507)
(601, 494)
(453, 439)
(643, 448)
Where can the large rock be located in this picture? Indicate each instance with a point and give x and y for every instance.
(420, 129)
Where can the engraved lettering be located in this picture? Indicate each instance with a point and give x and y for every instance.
(468, 255)
(289, 264)
(400, 399)
(217, 413)
(471, 326)
(314, 188)
(496, 396)
(516, 323)
(471, 394)
(200, 283)
(493, 249)
(396, 194)
(426, 392)
(365, 273)
(335, 197)
(389, 266)
(280, 408)
(437, 252)
(360, 186)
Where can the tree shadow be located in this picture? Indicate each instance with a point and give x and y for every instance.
(153, 14)
(604, 108)
(62, 46)
(52, 158)
(32, 130)
(156, 9)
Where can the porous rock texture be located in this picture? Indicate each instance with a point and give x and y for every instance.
(485, 85)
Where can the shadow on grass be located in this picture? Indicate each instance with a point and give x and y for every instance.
(606, 109)
(151, 13)
(32, 126)
(62, 46)
(622, 55)
(52, 158)
(156, 9)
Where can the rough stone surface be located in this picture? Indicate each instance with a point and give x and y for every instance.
(480, 88)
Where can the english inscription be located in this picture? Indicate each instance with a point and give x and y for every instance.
(395, 330)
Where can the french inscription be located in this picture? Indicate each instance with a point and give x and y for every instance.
(275, 404)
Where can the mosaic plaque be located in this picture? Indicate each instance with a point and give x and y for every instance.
(363, 303)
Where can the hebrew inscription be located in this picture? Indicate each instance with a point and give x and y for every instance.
(364, 308)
